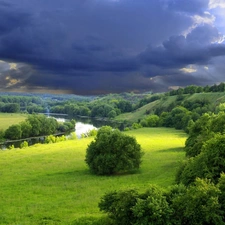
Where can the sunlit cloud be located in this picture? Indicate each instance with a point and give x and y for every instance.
(13, 66)
(189, 69)
(216, 3)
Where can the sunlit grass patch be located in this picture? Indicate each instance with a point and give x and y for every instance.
(8, 119)
(51, 184)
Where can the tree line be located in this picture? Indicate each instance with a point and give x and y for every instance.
(36, 125)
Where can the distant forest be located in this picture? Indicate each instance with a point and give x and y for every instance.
(172, 109)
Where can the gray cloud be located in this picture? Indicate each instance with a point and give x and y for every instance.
(179, 51)
(90, 46)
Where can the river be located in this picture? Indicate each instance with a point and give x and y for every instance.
(83, 125)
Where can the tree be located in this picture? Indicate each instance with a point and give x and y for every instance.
(198, 205)
(112, 114)
(14, 132)
(35, 123)
(129, 207)
(113, 152)
(118, 205)
(26, 129)
(11, 108)
(199, 132)
(152, 120)
(152, 208)
(210, 163)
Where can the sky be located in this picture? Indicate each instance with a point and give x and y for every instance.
(90, 47)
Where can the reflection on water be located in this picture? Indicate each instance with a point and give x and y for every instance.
(83, 125)
(60, 120)
(99, 123)
(82, 128)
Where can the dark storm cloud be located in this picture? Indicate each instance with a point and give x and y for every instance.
(101, 45)
(10, 19)
(178, 51)
(119, 24)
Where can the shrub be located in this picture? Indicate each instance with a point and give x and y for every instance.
(24, 144)
(92, 133)
(113, 152)
(50, 139)
(72, 136)
(126, 129)
(130, 207)
(152, 120)
(136, 126)
(199, 205)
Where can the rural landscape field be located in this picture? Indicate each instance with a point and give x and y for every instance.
(51, 184)
(112, 112)
(161, 160)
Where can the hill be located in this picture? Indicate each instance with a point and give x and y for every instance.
(169, 102)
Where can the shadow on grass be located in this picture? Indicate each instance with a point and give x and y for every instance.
(87, 172)
(178, 149)
(73, 173)
(93, 221)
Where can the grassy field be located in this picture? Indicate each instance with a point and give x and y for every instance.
(51, 184)
(8, 119)
(140, 113)
(214, 98)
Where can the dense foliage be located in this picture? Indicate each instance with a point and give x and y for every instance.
(199, 196)
(205, 149)
(37, 125)
(198, 204)
(113, 152)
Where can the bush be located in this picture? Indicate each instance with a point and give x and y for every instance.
(91, 133)
(130, 207)
(126, 129)
(118, 205)
(136, 126)
(113, 152)
(152, 120)
(50, 139)
(210, 163)
(24, 144)
(72, 136)
(199, 204)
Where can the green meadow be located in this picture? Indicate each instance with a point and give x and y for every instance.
(51, 184)
(214, 98)
(8, 119)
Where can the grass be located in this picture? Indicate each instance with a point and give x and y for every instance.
(8, 119)
(215, 98)
(140, 113)
(51, 184)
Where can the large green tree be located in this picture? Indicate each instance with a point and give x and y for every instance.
(113, 152)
